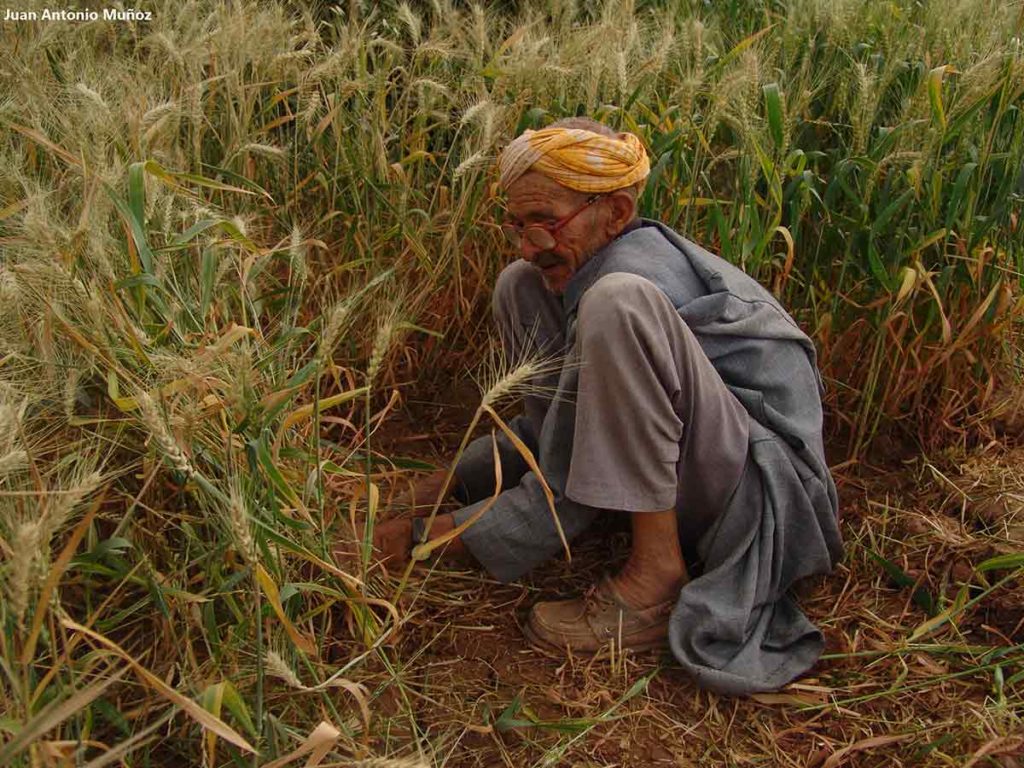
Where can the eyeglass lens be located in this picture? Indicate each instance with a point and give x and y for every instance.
(536, 236)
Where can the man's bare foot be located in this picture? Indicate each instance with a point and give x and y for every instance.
(644, 582)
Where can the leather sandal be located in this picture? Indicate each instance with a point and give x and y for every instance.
(589, 623)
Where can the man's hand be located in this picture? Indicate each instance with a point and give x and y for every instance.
(420, 497)
(392, 542)
(392, 539)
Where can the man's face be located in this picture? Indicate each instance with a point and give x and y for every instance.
(535, 199)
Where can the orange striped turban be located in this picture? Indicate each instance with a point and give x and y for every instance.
(576, 158)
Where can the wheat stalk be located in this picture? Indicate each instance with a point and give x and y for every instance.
(159, 113)
(504, 377)
(13, 461)
(503, 381)
(338, 319)
(93, 97)
(10, 423)
(9, 290)
(480, 109)
(61, 504)
(267, 150)
(411, 21)
(168, 446)
(279, 668)
(389, 330)
(475, 160)
(25, 549)
(297, 272)
(239, 523)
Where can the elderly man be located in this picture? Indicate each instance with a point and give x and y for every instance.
(689, 401)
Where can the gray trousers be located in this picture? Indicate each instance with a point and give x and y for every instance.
(653, 426)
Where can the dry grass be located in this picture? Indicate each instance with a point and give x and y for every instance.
(888, 691)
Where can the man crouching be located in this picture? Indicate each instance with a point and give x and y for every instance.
(689, 400)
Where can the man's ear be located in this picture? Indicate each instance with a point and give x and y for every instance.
(621, 211)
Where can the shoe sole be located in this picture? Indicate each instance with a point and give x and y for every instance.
(547, 645)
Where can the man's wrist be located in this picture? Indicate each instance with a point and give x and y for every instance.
(443, 523)
(419, 528)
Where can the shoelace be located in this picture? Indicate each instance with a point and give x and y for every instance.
(595, 598)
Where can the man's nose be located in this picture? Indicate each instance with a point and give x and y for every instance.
(529, 251)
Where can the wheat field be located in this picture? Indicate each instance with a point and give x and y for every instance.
(243, 243)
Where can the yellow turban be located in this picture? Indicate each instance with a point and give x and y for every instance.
(576, 158)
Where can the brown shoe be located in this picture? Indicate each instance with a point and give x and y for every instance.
(589, 623)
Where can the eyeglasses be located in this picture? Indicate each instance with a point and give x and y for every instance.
(542, 234)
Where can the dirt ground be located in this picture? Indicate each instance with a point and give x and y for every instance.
(885, 693)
